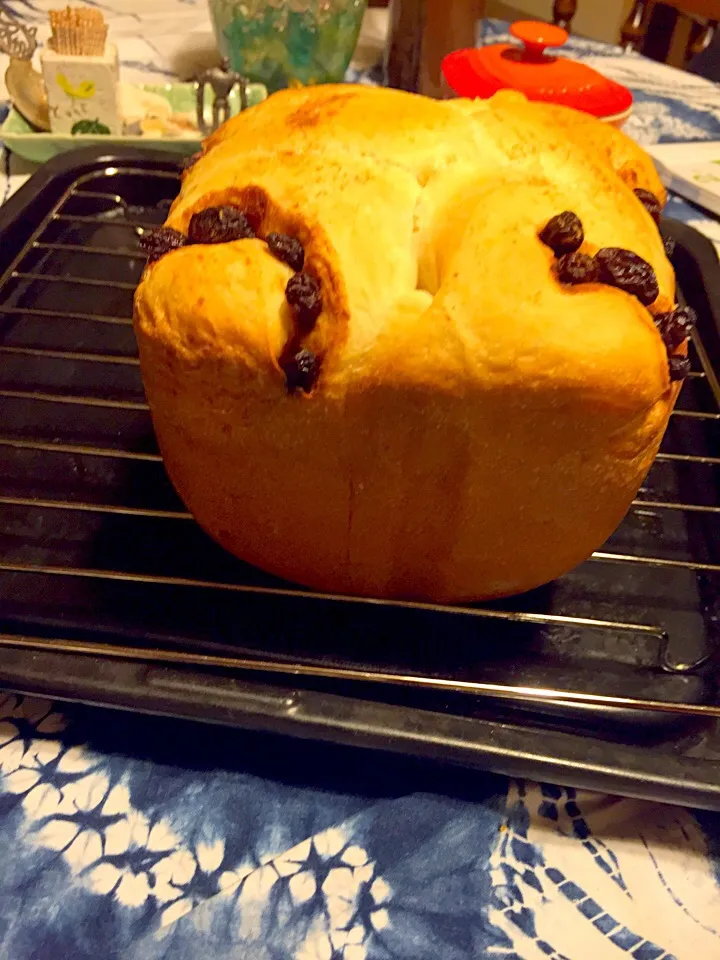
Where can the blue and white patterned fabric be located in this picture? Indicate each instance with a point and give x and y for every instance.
(140, 838)
(150, 839)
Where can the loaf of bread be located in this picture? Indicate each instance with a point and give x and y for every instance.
(401, 347)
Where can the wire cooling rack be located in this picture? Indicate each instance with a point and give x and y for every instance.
(100, 560)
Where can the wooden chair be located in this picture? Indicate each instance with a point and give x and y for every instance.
(672, 30)
(563, 13)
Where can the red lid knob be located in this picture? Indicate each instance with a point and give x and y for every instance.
(537, 35)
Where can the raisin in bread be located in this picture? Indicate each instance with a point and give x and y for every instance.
(409, 348)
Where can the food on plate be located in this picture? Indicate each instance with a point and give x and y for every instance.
(402, 347)
(150, 114)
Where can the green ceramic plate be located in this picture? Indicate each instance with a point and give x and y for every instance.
(17, 134)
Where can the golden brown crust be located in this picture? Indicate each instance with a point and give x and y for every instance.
(477, 428)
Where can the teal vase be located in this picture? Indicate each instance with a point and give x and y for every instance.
(284, 43)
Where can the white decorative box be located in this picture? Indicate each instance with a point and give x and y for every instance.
(83, 91)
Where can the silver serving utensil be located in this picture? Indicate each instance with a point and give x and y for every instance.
(24, 84)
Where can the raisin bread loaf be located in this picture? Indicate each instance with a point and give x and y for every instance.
(408, 348)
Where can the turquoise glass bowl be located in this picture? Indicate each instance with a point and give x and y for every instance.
(284, 43)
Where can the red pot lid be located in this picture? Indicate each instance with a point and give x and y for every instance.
(483, 71)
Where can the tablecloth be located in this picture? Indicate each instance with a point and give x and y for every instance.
(142, 838)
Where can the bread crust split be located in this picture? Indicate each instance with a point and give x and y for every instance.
(477, 428)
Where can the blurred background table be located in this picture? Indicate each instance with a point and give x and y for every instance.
(137, 837)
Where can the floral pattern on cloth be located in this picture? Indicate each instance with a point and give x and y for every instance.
(183, 853)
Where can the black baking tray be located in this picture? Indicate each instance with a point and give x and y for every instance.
(96, 548)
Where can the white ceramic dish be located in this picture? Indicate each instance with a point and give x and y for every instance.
(20, 137)
(691, 170)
